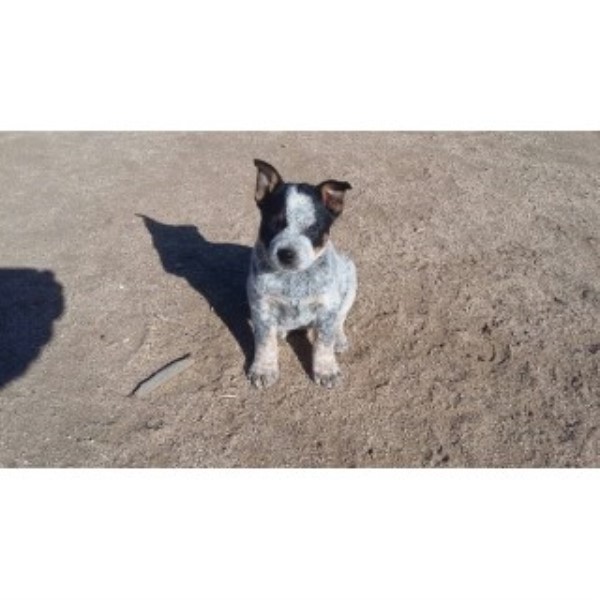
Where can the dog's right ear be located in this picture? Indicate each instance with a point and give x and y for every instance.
(266, 181)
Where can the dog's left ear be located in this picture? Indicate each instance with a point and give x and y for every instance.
(332, 193)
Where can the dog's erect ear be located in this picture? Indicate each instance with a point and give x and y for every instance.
(332, 193)
(267, 179)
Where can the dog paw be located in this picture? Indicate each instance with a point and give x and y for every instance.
(263, 377)
(341, 344)
(328, 378)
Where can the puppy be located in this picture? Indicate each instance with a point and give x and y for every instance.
(297, 279)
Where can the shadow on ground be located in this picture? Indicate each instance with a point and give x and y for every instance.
(302, 347)
(218, 271)
(30, 301)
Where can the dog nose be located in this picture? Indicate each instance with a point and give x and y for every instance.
(286, 256)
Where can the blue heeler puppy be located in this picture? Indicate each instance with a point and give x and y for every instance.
(297, 279)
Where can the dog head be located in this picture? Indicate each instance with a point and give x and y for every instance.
(295, 217)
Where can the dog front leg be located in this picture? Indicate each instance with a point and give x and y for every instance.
(326, 371)
(264, 371)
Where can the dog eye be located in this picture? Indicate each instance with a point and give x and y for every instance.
(278, 221)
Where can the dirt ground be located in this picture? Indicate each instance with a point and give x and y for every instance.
(475, 335)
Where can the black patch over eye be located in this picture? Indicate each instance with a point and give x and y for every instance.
(271, 225)
(316, 233)
(278, 222)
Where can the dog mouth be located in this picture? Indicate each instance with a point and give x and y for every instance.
(291, 266)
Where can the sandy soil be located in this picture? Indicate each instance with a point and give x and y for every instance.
(475, 335)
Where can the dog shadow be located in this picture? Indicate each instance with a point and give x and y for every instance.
(30, 302)
(218, 271)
